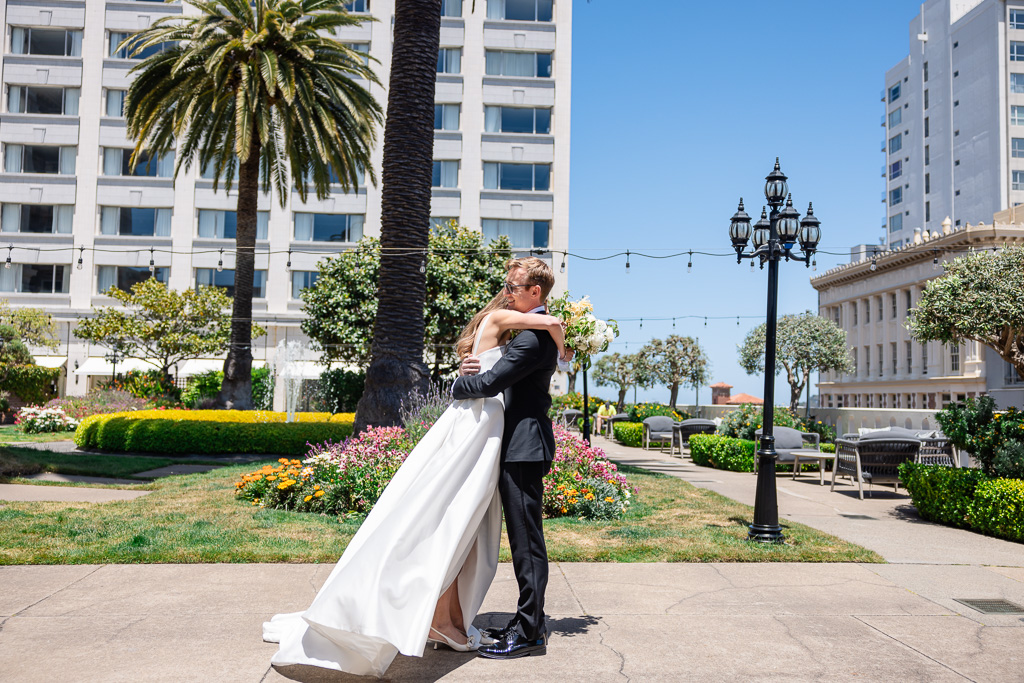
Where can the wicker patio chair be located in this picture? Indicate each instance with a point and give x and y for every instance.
(938, 451)
(657, 429)
(610, 421)
(682, 431)
(571, 417)
(873, 460)
(788, 440)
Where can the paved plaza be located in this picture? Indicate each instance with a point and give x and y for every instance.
(608, 622)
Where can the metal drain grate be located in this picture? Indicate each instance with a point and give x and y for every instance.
(857, 516)
(991, 606)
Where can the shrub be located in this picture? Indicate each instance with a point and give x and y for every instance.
(975, 427)
(99, 401)
(743, 422)
(150, 384)
(210, 431)
(339, 390)
(827, 433)
(941, 494)
(629, 433)
(33, 384)
(205, 386)
(582, 483)
(642, 411)
(36, 420)
(722, 452)
(998, 508)
(1009, 460)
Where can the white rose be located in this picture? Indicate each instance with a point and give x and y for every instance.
(609, 334)
(596, 342)
(600, 326)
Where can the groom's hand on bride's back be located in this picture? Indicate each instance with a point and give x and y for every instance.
(470, 366)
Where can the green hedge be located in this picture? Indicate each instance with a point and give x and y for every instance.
(33, 384)
(629, 433)
(126, 432)
(966, 498)
(735, 455)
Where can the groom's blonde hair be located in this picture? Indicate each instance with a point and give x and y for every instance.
(537, 271)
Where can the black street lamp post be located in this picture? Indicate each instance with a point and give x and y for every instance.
(774, 237)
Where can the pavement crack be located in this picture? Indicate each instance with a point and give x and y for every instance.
(912, 648)
(622, 658)
(59, 590)
(572, 591)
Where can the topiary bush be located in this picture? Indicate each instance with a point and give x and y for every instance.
(941, 494)
(722, 452)
(210, 431)
(642, 411)
(629, 433)
(998, 508)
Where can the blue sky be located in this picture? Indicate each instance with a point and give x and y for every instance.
(679, 109)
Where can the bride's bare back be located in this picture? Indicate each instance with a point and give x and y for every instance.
(498, 324)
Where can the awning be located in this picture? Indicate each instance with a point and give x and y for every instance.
(51, 361)
(197, 366)
(101, 366)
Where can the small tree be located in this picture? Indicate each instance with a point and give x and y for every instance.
(980, 297)
(32, 325)
(463, 275)
(675, 361)
(162, 325)
(621, 371)
(803, 343)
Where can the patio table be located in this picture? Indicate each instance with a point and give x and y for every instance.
(812, 454)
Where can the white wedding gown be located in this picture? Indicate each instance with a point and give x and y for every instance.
(439, 520)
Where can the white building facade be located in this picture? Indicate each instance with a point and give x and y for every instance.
(76, 218)
(953, 118)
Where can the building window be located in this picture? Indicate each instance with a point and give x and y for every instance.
(892, 300)
(519, 10)
(895, 144)
(894, 93)
(1017, 83)
(895, 358)
(124, 277)
(55, 42)
(1016, 18)
(1017, 115)
(927, 155)
(501, 176)
(910, 357)
(896, 222)
(30, 99)
(40, 159)
(449, 60)
(881, 310)
(1018, 180)
(881, 363)
(855, 309)
(522, 64)
(517, 120)
(1016, 51)
(895, 117)
(357, 6)
(896, 245)
(118, 37)
(927, 128)
(445, 174)
(925, 72)
(115, 103)
(895, 170)
(303, 279)
(927, 183)
(895, 196)
(954, 358)
(927, 211)
(117, 161)
(438, 222)
(867, 361)
(522, 234)
(451, 8)
(326, 227)
(363, 49)
(907, 296)
(225, 279)
(924, 359)
(35, 278)
(124, 220)
(37, 218)
(925, 99)
(1018, 148)
(856, 358)
(221, 225)
(446, 116)
(867, 311)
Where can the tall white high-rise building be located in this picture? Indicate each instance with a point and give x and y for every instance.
(77, 218)
(954, 118)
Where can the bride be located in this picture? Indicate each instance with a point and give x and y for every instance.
(419, 566)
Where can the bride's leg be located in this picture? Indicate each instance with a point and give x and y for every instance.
(455, 608)
(443, 620)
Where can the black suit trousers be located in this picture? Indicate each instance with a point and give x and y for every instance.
(522, 495)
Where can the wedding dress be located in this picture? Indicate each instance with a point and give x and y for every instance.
(438, 521)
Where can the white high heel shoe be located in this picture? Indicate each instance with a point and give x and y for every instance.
(469, 646)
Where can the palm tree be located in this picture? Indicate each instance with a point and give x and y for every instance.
(260, 89)
(396, 366)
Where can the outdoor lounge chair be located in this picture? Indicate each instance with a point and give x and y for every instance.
(610, 421)
(682, 431)
(874, 458)
(788, 440)
(936, 448)
(571, 417)
(657, 429)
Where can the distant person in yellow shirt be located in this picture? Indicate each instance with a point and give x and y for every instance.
(603, 413)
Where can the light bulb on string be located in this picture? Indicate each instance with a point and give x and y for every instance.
(673, 323)
(814, 265)
(641, 323)
(737, 321)
(874, 264)
(705, 322)
(627, 262)
(562, 268)
(751, 265)
(288, 266)
(935, 262)
(152, 263)
(689, 264)
(220, 262)
(7, 265)
(81, 252)
(423, 265)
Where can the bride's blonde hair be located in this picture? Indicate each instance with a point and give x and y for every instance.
(464, 346)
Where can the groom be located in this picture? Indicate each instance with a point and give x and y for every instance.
(527, 449)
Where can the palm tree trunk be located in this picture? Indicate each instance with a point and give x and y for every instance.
(396, 362)
(236, 391)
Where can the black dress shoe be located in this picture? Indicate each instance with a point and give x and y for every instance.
(500, 634)
(515, 645)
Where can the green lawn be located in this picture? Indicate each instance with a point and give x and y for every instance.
(197, 518)
(13, 434)
(15, 462)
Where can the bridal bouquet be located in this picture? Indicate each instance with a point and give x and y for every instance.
(584, 334)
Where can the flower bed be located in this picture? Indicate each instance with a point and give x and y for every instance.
(35, 420)
(967, 498)
(210, 431)
(347, 477)
(629, 433)
(98, 402)
(642, 411)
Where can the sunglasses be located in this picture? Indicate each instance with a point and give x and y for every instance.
(510, 287)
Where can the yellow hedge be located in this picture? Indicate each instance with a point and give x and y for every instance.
(211, 431)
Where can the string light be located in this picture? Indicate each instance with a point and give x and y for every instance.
(288, 266)
(627, 262)
(751, 265)
(935, 260)
(737, 321)
(7, 265)
(814, 265)
(673, 323)
(641, 323)
(81, 255)
(705, 322)
(423, 265)
(874, 264)
(689, 264)
(561, 269)
(152, 263)
(220, 262)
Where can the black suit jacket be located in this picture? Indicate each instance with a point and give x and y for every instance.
(524, 375)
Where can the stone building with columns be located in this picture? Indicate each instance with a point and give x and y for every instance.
(870, 298)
